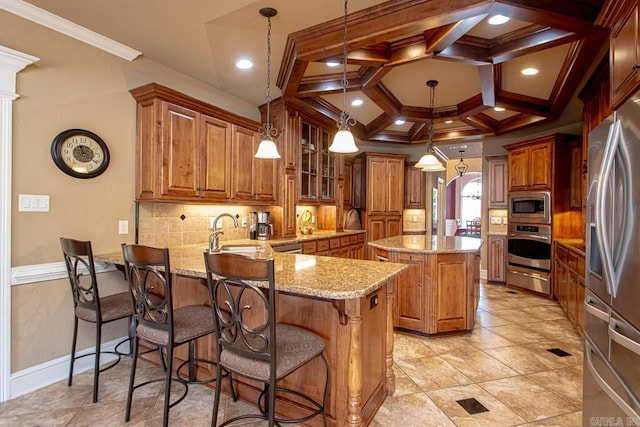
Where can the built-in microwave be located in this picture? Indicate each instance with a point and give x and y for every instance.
(530, 207)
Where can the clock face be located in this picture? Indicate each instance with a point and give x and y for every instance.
(80, 153)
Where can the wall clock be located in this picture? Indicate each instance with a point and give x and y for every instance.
(80, 153)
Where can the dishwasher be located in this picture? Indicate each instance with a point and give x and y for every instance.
(293, 248)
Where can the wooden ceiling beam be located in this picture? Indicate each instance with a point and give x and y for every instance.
(487, 84)
(481, 122)
(523, 103)
(572, 16)
(326, 84)
(540, 40)
(445, 36)
(384, 99)
(379, 124)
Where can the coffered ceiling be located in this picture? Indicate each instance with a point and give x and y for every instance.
(394, 47)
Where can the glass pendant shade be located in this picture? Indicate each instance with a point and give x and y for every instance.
(343, 142)
(267, 149)
(429, 162)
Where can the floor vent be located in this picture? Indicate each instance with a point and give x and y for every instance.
(559, 352)
(472, 406)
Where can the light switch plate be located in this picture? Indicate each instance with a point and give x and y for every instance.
(33, 203)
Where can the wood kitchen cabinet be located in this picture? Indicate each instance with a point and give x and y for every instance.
(409, 305)
(318, 169)
(383, 194)
(498, 176)
(530, 164)
(568, 282)
(259, 185)
(497, 258)
(624, 53)
(349, 246)
(188, 150)
(415, 187)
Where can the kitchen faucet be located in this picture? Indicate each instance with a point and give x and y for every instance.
(213, 238)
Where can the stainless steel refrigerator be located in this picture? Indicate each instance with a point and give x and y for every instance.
(612, 304)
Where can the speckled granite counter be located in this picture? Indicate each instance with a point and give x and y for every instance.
(323, 277)
(428, 244)
(348, 302)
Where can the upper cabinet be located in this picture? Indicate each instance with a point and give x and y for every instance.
(498, 175)
(415, 187)
(530, 164)
(187, 150)
(624, 54)
(384, 184)
(317, 164)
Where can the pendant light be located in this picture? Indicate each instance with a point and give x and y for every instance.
(429, 162)
(267, 148)
(462, 166)
(344, 142)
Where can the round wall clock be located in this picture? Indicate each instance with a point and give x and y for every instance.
(80, 153)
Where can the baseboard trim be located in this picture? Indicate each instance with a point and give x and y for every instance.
(44, 374)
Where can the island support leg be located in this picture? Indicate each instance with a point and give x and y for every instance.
(354, 370)
(390, 378)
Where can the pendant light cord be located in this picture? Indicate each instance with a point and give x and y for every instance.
(268, 90)
(345, 82)
(433, 100)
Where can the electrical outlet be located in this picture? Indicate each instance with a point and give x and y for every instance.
(504, 220)
(123, 226)
(495, 220)
(414, 218)
(244, 221)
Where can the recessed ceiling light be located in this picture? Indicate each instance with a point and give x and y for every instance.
(244, 64)
(529, 71)
(357, 102)
(498, 108)
(332, 63)
(399, 122)
(498, 19)
(448, 121)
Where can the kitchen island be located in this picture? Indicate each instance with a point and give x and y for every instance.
(347, 302)
(439, 292)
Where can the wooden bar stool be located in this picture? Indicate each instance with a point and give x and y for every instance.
(249, 341)
(90, 307)
(148, 272)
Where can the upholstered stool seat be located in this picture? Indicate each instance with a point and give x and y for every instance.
(112, 307)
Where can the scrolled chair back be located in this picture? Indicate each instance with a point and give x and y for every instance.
(242, 295)
(78, 258)
(148, 272)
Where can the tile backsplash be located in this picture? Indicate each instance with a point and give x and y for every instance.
(414, 220)
(177, 224)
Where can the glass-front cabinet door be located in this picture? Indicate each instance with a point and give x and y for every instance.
(328, 169)
(309, 162)
(317, 165)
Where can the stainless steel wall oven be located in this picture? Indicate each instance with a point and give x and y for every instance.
(529, 257)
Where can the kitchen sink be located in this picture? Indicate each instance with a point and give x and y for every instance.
(241, 248)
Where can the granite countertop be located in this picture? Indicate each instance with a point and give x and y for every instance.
(428, 244)
(309, 275)
(577, 244)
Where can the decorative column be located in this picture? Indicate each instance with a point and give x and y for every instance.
(11, 62)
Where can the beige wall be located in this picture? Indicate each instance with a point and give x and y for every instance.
(74, 85)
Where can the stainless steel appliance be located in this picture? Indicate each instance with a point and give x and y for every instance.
(529, 257)
(263, 227)
(612, 341)
(530, 207)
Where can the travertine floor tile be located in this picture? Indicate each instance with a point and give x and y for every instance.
(410, 410)
(406, 346)
(484, 338)
(565, 382)
(519, 334)
(573, 419)
(432, 373)
(498, 414)
(478, 366)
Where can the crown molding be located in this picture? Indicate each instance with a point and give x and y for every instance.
(66, 27)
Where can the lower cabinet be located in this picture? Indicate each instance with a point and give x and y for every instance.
(438, 292)
(568, 282)
(351, 246)
(497, 258)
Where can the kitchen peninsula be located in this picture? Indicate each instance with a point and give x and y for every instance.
(347, 302)
(439, 292)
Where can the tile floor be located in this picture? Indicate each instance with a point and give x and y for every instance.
(502, 370)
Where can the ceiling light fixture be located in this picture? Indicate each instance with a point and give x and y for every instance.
(267, 148)
(244, 64)
(344, 142)
(399, 122)
(448, 121)
(530, 71)
(332, 63)
(498, 20)
(498, 109)
(357, 102)
(462, 166)
(429, 162)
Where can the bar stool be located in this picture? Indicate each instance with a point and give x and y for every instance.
(249, 341)
(149, 275)
(90, 307)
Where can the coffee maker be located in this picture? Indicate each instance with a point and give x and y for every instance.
(260, 227)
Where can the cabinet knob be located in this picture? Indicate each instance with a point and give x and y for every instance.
(635, 67)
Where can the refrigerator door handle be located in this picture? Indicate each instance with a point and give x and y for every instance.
(596, 312)
(621, 339)
(606, 387)
(601, 206)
